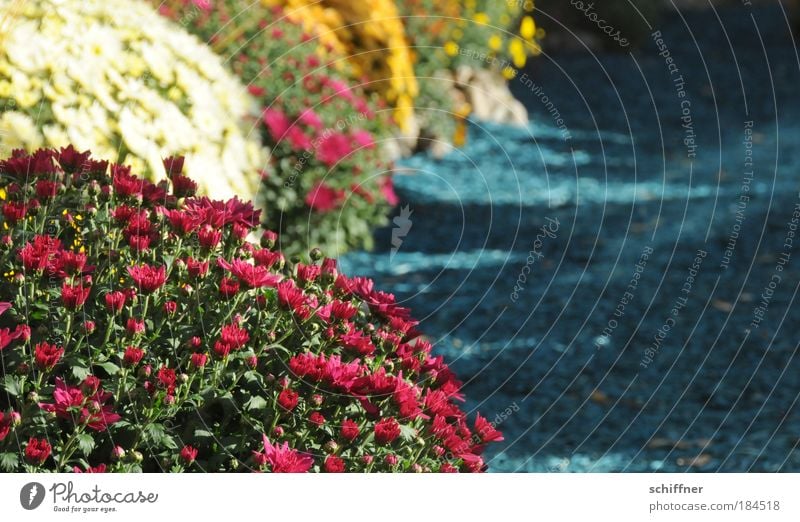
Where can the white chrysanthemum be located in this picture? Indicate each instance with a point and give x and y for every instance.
(115, 77)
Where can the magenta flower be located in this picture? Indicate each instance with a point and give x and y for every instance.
(72, 404)
(249, 275)
(277, 123)
(323, 198)
(147, 278)
(334, 148)
(283, 459)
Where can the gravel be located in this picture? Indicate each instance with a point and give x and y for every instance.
(715, 392)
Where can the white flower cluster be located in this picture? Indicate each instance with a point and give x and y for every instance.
(115, 77)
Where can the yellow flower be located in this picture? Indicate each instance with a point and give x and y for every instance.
(527, 28)
(368, 34)
(517, 50)
(481, 18)
(495, 42)
(451, 48)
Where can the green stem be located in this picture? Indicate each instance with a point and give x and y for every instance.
(109, 329)
(68, 329)
(66, 454)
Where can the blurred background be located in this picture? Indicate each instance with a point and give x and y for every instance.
(616, 280)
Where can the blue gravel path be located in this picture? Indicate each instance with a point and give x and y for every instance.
(655, 327)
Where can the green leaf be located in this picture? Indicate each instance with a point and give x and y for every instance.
(154, 433)
(12, 385)
(8, 462)
(80, 372)
(407, 432)
(109, 367)
(202, 434)
(168, 442)
(85, 443)
(256, 402)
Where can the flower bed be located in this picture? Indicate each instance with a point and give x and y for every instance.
(372, 37)
(451, 34)
(140, 331)
(331, 185)
(119, 79)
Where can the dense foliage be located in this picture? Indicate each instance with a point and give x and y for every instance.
(372, 38)
(140, 330)
(330, 184)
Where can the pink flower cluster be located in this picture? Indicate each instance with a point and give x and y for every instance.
(142, 332)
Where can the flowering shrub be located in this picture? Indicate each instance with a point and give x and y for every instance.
(461, 31)
(330, 184)
(119, 79)
(140, 331)
(479, 34)
(371, 35)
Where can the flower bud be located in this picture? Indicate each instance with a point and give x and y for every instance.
(416, 468)
(268, 239)
(94, 188)
(89, 327)
(315, 254)
(331, 447)
(16, 418)
(277, 431)
(197, 361)
(117, 453)
(6, 242)
(95, 407)
(145, 371)
(33, 397)
(367, 459)
(90, 385)
(390, 459)
(137, 456)
(252, 361)
(317, 399)
(23, 368)
(169, 400)
(183, 378)
(188, 455)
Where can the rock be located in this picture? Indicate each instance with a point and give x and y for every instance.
(487, 93)
(404, 144)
